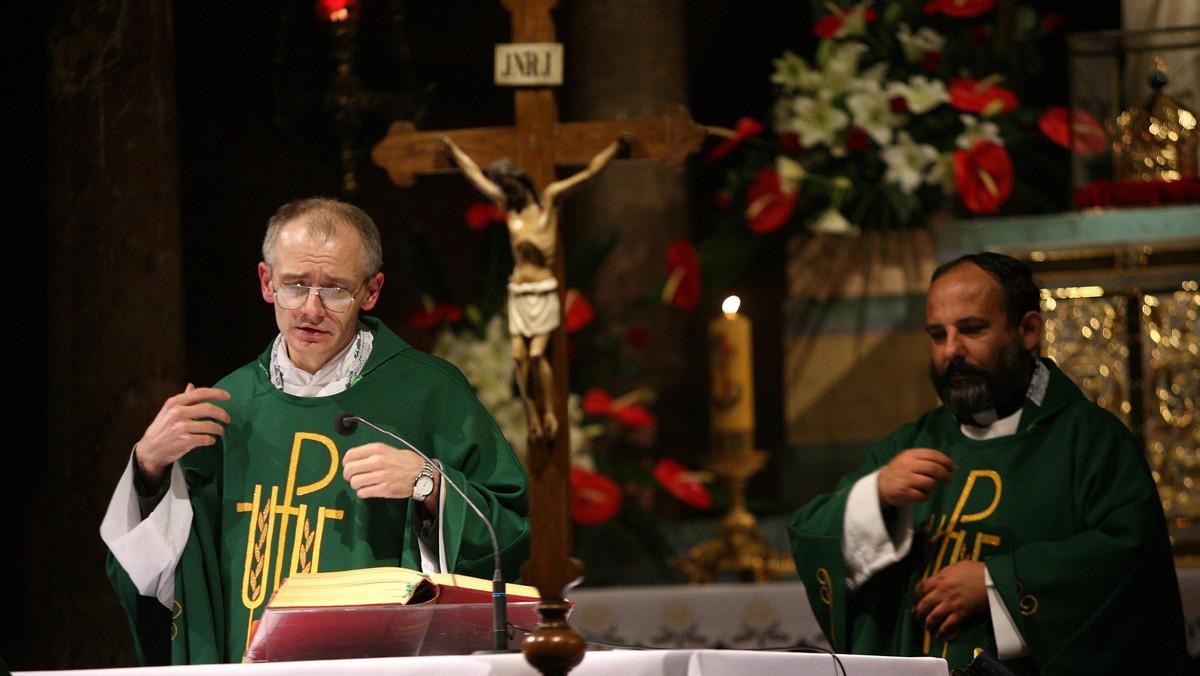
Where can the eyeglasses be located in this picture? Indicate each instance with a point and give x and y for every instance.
(335, 299)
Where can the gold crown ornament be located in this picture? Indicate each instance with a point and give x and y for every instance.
(1155, 140)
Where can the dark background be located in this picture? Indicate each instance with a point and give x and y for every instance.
(242, 154)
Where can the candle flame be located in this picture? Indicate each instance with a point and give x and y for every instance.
(731, 305)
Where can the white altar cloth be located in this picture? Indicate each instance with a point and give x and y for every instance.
(595, 663)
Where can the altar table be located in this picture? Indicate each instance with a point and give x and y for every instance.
(595, 663)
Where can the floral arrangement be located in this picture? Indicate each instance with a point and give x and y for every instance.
(905, 107)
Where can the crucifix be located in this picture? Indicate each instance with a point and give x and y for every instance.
(538, 144)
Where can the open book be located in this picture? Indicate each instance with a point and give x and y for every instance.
(382, 612)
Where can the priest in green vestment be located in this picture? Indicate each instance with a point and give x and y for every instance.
(1018, 518)
(234, 487)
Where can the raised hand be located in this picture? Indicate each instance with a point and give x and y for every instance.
(912, 475)
(185, 421)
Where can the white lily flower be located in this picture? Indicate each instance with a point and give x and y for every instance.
(917, 44)
(790, 172)
(908, 162)
(920, 94)
(792, 72)
(832, 222)
(840, 70)
(871, 110)
(817, 120)
(974, 130)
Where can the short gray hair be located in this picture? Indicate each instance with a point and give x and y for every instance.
(323, 215)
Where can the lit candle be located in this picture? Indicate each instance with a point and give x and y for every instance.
(732, 396)
(334, 11)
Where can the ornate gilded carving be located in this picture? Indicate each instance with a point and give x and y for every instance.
(1087, 338)
(1171, 354)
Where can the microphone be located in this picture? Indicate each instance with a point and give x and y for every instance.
(345, 424)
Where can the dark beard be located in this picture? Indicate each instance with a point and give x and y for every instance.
(1002, 389)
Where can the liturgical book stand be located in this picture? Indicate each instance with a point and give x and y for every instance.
(384, 630)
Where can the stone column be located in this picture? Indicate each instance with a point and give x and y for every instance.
(627, 60)
(115, 326)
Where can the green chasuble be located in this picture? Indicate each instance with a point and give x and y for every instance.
(1064, 514)
(269, 499)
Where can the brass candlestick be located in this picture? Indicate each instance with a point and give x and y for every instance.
(739, 546)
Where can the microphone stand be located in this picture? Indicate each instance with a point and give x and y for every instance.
(346, 424)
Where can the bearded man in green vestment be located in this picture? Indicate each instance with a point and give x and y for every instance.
(1018, 517)
(234, 487)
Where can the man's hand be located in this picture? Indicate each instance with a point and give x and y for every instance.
(912, 475)
(377, 470)
(186, 420)
(945, 601)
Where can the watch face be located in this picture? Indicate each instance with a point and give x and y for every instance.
(422, 487)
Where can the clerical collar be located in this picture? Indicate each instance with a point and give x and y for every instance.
(337, 375)
(989, 425)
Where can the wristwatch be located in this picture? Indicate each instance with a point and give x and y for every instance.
(423, 484)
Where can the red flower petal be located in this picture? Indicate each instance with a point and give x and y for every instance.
(984, 175)
(634, 416)
(597, 402)
(980, 97)
(429, 317)
(768, 206)
(959, 9)
(594, 497)
(1082, 134)
(829, 26)
(681, 483)
(482, 214)
(744, 129)
(682, 288)
(579, 313)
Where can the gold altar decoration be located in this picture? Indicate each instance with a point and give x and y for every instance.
(1155, 140)
(739, 547)
(1145, 369)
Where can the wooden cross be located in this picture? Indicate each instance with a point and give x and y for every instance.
(538, 143)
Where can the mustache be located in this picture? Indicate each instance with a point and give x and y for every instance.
(964, 369)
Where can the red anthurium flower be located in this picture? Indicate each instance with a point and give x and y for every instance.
(1076, 129)
(482, 214)
(336, 10)
(596, 402)
(594, 497)
(984, 175)
(832, 26)
(982, 97)
(682, 288)
(432, 314)
(599, 403)
(579, 312)
(769, 203)
(682, 483)
(744, 129)
(959, 9)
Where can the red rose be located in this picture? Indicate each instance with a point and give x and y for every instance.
(984, 175)
(857, 139)
(433, 314)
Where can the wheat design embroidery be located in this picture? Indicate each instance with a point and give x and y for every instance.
(307, 536)
(259, 558)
